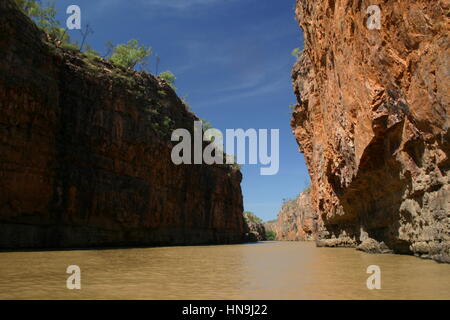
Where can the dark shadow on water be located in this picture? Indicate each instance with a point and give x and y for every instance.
(130, 247)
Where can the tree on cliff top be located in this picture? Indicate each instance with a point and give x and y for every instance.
(169, 77)
(251, 217)
(45, 17)
(131, 54)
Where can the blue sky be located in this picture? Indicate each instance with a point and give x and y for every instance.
(232, 59)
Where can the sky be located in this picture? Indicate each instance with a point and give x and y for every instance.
(232, 60)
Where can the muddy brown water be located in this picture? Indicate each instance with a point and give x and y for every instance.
(268, 270)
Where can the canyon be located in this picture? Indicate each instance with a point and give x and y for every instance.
(372, 120)
(85, 145)
(85, 154)
(99, 193)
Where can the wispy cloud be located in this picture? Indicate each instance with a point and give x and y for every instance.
(256, 71)
(258, 90)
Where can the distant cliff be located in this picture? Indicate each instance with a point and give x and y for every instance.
(296, 220)
(256, 230)
(373, 122)
(85, 154)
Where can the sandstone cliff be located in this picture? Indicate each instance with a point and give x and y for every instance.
(256, 230)
(373, 121)
(85, 154)
(296, 220)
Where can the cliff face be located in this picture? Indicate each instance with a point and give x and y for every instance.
(255, 228)
(296, 220)
(256, 232)
(373, 121)
(85, 154)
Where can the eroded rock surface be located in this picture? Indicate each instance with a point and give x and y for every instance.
(85, 154)
(256, 232)
(370, 245)
(296, 220)
(373, 121)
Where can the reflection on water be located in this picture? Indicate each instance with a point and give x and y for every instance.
(271, 270)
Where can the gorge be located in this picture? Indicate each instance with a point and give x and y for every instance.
(95, 187)
(86, 150)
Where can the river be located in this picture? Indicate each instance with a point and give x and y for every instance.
(267, 270)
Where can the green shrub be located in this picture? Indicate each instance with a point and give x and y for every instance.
(70, 46)
(271, 235)
(206, 125)
(296, 53)
(91, 53)
(169, 77)
(131, 54)
(45, 17)
(251, 217)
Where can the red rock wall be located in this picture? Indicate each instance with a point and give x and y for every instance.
(373, 121)
(85, 154)
(296, 220)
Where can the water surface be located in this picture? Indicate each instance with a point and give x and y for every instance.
(270, 270)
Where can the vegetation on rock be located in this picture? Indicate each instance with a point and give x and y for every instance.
(169, 77)
(297, 52)
(131, 54)
(250, 217)
(45, 17)
(271, 235)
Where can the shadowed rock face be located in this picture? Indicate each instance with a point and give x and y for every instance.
(296, 220)
(256, 232)
(254, 227)
(373, 121)
(85, 154)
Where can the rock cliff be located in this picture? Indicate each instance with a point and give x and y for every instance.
(256, 230)
(85, 154)
(296, 220)
(373, 121)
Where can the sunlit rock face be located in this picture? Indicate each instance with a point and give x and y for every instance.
(373, 121)
(296, 220)
(85, 154)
